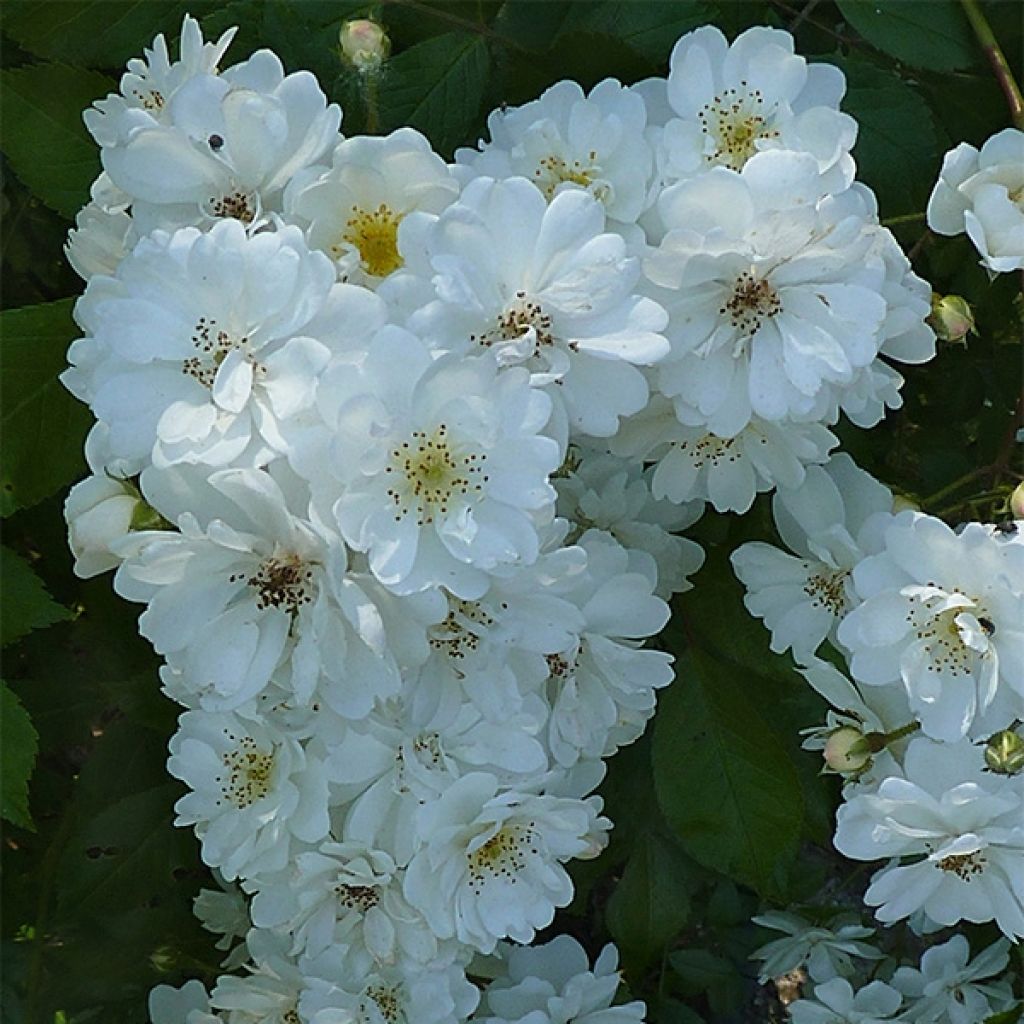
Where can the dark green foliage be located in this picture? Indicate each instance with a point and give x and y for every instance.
(724, 780)
(933, 35)
(18, 746)
(437, 86)
(43, 425)
(44, 137)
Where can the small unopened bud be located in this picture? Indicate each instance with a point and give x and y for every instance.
(847, 751)
(1004, 753)
(951, 317)
(364, 44)
(1017, 502)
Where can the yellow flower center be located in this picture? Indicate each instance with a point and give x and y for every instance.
(553, 171)
(375, 234)
(249, 773)
(433, 474)
(734, 121)
(504, 855)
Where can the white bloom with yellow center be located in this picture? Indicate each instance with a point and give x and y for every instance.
(734, 101)
(440, 470)
(220, 146)
(151, 82)
(543, 286)
(962, 824)
(348, 897)
(201, 343)
(833, 520)
(436, 994)
(254, 791)
(490, 866)
(780, 297)
(404, 755)
(493, 651)
(694, 464)
(253, 590)
(568, 139)
(982, 193)
(352, 210)
(941, 612)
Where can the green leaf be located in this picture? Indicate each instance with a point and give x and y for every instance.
(649, 29)
(1010, 1016)
(26, 605)
(18, 746)
(44, 137)
(93, 33)
(43, 425)
(651, 902)
(898, 147)
(934, 35)
(437, 86)
(532, 26)
(702, 972)
(724, 780)
(126, 855)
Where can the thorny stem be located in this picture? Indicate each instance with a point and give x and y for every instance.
(996, 57)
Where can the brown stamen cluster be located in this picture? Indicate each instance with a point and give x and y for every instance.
(735, 120)
(753, 301)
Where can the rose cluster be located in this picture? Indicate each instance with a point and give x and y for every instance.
(396, 453)
(924, 729)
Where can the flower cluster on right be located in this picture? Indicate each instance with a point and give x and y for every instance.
(924, 727)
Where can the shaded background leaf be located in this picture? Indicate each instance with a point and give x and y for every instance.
(44, 137)
(933, 35)
(43, 425)
(724, 781)
(26, 605)
(18, 747)
(437, 86)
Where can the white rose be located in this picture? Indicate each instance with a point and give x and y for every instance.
(982, 193)
(98, 511)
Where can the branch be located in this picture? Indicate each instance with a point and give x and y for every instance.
(996, 57)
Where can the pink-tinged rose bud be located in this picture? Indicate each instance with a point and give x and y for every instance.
(951, 318)
(364, 44)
